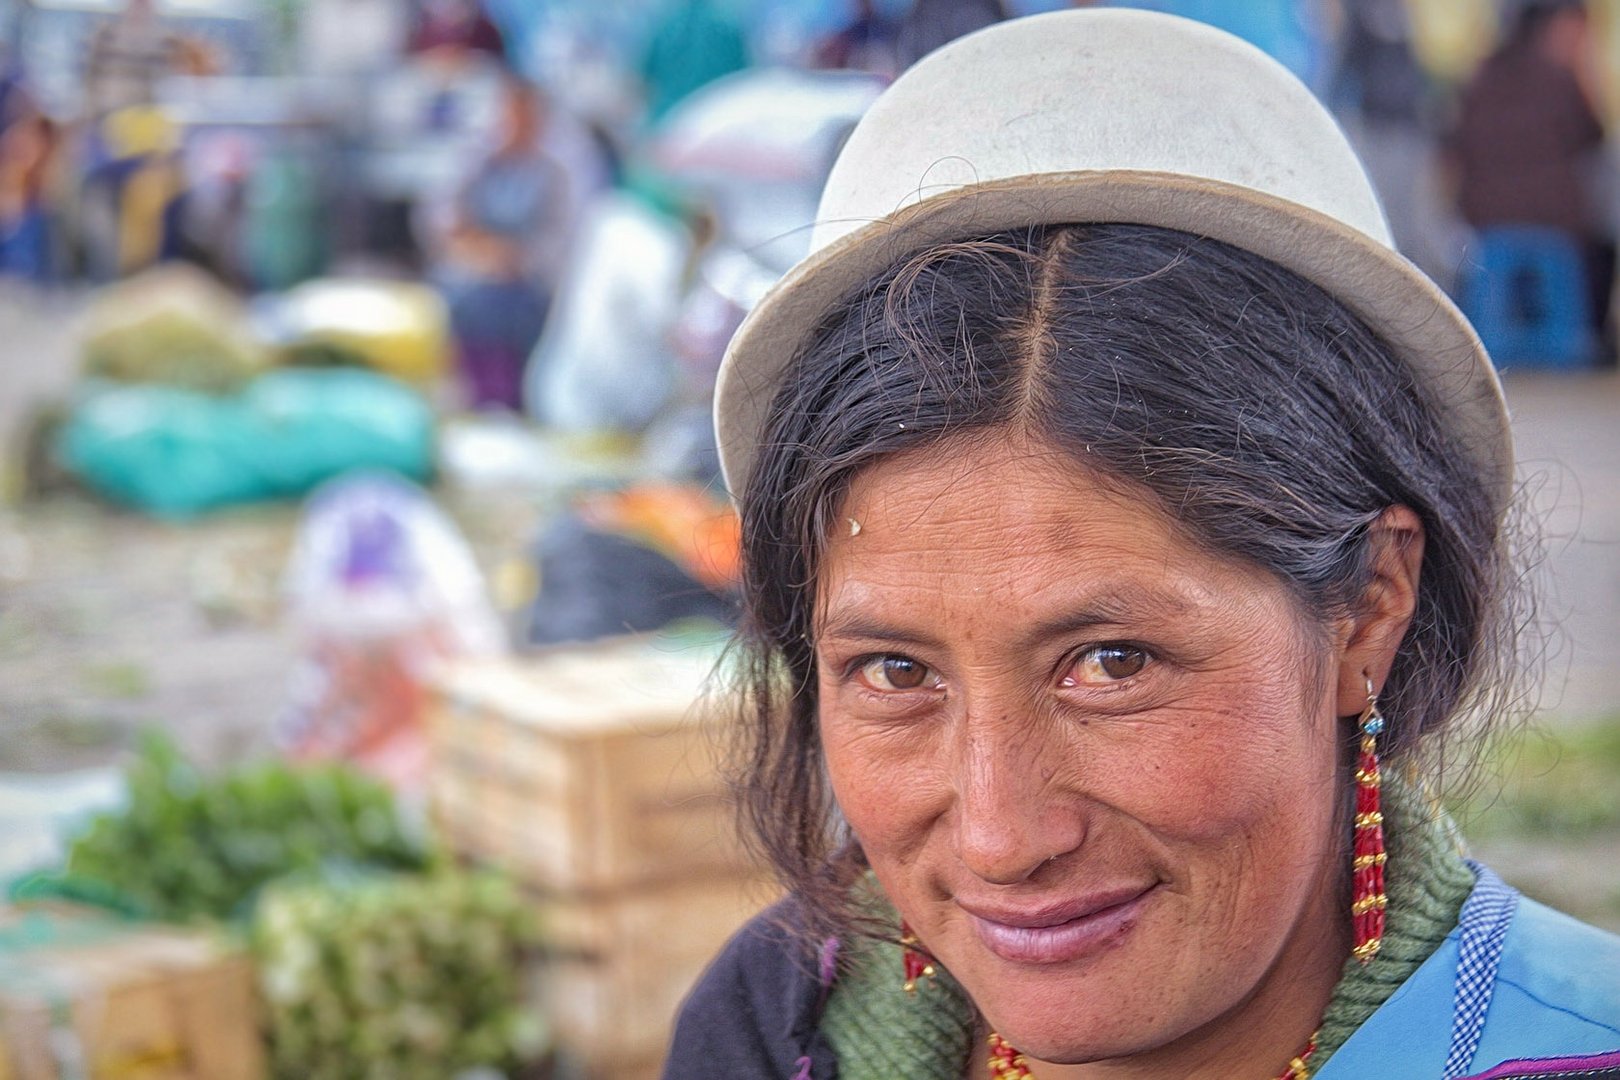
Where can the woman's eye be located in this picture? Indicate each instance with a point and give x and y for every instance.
(895, 673)
(1103, 664)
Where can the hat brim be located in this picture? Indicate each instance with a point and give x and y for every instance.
(1393, 297)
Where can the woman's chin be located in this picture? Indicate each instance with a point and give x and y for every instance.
(1073, 1021)
(1061, 1042)
(1092, 989)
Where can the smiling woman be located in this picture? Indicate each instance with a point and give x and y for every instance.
(1064, 832)
(1124, 534)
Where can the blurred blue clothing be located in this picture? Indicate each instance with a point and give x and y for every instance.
(507, 313)
(931, 24)
(1526, 293)
(512, 196)
(25, 246)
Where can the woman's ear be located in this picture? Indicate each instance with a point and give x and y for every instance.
(1372, 633)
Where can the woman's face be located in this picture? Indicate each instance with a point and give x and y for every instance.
(1094, 766)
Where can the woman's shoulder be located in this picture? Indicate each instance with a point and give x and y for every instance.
(1553, 1006)
(1516, 990)
(1561, 971)
(755, 1010)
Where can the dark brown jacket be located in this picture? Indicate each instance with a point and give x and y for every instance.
(1523, 145)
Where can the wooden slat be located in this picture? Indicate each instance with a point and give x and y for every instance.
(583, 770)
(157, 1002)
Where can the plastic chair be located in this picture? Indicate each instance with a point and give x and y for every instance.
(1525, 292)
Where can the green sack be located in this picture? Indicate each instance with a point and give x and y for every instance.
(176, 453)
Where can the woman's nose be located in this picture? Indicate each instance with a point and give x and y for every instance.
(1012, 815)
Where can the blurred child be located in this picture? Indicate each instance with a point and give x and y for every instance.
(494, 247)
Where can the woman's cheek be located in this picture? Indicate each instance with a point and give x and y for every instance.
(885, 783)
(1205, 768)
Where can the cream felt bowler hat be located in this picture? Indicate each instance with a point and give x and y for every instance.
(1110, 116)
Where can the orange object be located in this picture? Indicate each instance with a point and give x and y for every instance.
(699, 532)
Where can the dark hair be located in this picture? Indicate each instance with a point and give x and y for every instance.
(1533, 16)
(1261, 415)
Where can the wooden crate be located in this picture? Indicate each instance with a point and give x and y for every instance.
(622, 964)
(122, 1000)
(583, 770)
(590, 775)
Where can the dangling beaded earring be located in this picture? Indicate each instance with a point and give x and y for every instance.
(1367, 881)
(917, 964)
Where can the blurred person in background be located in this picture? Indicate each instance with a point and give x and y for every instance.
(28, 154)
(1527, 136)
(867, 42)
(932, 23)
(130, 186)
(455, 28)
(692, 43)
(495, 249)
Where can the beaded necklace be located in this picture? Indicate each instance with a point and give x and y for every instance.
(1007, 1063)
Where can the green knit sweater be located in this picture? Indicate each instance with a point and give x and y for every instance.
(880, 1032)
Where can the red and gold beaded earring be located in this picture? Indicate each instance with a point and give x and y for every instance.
(917, 964)
(1368, 901)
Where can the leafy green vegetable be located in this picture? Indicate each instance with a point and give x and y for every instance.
(191, 846)
(376, 961)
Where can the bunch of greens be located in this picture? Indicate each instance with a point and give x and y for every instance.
(191, 846)
(173, 325)
(403, 978)
(375, 961)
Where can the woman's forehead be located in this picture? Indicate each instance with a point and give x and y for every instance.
(1021, 526)
(993, 486)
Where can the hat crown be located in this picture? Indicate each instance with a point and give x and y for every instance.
(1111, 116)
(1064, 92)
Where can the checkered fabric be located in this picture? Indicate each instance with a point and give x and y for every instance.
(1483, 923)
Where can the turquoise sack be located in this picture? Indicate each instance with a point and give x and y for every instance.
(176, 453)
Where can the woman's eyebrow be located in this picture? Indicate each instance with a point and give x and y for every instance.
(1130, 605)
(856, 627)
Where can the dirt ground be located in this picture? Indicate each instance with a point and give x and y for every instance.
(110, 621)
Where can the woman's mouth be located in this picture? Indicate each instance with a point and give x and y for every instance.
(1057, 933)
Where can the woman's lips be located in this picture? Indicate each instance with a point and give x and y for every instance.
(1056, 933)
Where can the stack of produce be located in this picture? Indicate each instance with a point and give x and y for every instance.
(394, 327)
(176, 452)
(172, 325)
(588, 773)
(375, 959)
(397, 978)
(189, 405)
